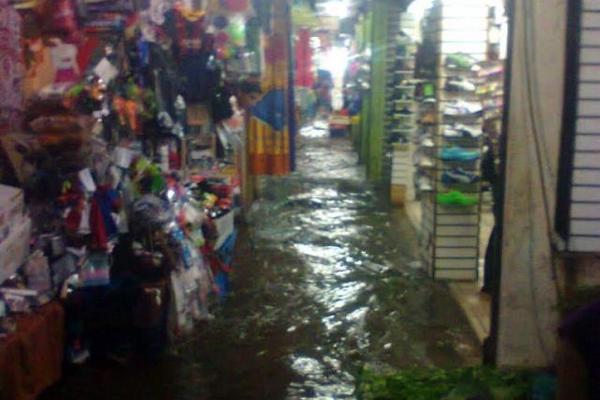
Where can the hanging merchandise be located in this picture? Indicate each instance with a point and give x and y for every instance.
(11, 67)
(304, 75)
(253, 35)
(236, 5)
(190, 29)
(264, 12)
(64, 58)
(220, 21)
(40, 70)
(194, 49)
(222, 41)
(237, 31)
(121, 228)
(304, 16)
(268, 134)
(221, 105)
(63, 17)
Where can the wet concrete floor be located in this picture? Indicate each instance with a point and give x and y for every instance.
(324, 283)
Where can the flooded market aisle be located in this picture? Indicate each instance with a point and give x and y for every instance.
(324, 282)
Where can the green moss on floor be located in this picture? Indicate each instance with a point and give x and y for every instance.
(479, 383)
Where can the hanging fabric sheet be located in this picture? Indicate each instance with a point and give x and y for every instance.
(304, 75)
(268, 130)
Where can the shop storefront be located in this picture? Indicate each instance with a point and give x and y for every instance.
(131, 133)
(430, 127)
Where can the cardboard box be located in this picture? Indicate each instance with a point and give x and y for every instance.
(12, 206)
(14, 250)
(398, 195)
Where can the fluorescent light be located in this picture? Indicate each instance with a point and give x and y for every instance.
(335, 8)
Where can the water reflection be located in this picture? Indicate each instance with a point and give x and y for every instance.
(356, 275)
(324, 282)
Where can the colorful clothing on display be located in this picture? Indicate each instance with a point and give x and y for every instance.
(11, 67)
(304, 75)
(64, 18)
(190, 31)
(236, 5)
(64, 57)
(268, 128)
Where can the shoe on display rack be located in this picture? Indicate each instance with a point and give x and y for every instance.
(489, 72)
(458, 84)
(487, 88)
(456, 198)
(461, 61)
(395, 137)
(456, 153)
(461, 131)
(403, 94)
(429, 118)
(427, 142)
(425, 162)
(403, 98)
(405, 128)
(425, 185)
(493, 104)
(427, 90)
(462, 108)
(458, 175)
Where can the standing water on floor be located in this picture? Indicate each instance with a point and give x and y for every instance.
(325, 282)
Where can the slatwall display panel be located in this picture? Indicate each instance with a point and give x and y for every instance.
(587, 125)
(590, 5)
(586, 177)
(462, 29)
(585, 210)
(456, 275)
(585, 244)
(460, 219)
(587, 143)
(401, 172)
(464, 36)
(445, 263)
(585, 193)
(582, 227)
(448, 210)
(461, 24)
(456, 252)
(586, 160)
(400, 180)
(402, 159)
(475, 49)
(402, 168)
(458, 231)
(585, 227)
(588, 90)
(470, 241)
(464, 9)
(590, 55)
(590, 20)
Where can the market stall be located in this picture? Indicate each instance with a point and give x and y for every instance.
(124, 160)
